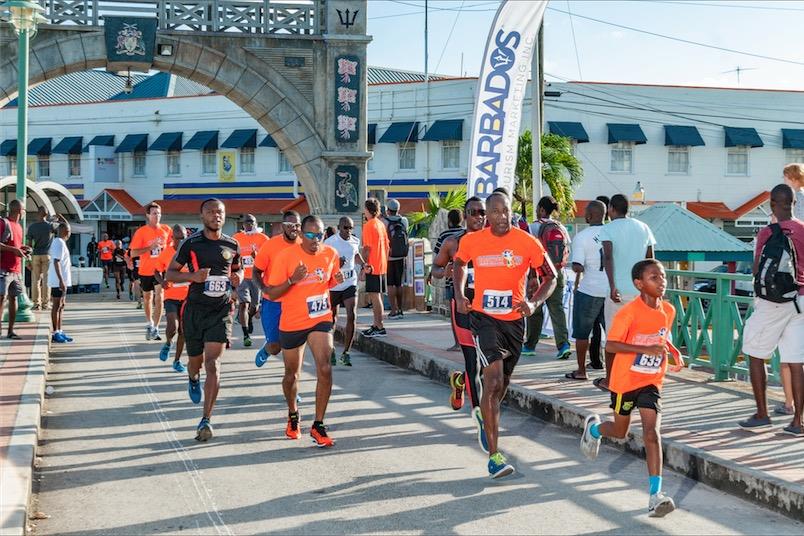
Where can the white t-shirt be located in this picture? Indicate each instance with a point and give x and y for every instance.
(587, 250)
(347, 249)
(629, 239)
(59, 251)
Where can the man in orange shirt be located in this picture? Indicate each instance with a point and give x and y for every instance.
(639, 338)
(375, 251)
(270, 310)
(250, 241)
(106, 252)
(175, 295)
(147, 244)
(502, 257)
(301, 277)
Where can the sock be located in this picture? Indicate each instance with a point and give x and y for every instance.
(318, 424)
(594, 430)
(150, 325)
(655, 484)
(245, 330)
(293, 415)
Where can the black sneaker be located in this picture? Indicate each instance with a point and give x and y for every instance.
(346, 361)
(380, 332)
(370, 331)
(332, 360)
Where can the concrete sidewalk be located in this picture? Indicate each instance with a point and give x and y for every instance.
(699, 429)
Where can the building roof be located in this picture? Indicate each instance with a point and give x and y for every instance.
(384, 75)
(683, 236)
(719, 211)
(126, 201)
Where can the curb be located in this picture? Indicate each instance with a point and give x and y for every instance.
(719, 473)
(17, 480)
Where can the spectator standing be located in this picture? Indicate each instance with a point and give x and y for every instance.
(397, 227)
(778, 317)
(39, 237)
(12, 251)
(556, 241)
(59, 279)
(590, 293)
(626, 241)
(375, 252)
(454, 228)
(92, 252)
(597, 332)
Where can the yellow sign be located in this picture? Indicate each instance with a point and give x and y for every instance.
(30, 168)
(226, 166)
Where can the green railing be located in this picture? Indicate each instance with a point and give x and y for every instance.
(709, 326)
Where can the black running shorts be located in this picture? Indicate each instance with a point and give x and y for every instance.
(376, 283)
(202, 325)
(173, 306)
(147, 283)
(289, 340)
(338, 297)
(648, 397)
(396, 272)
(498, 339)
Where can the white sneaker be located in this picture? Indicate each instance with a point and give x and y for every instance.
(589, 444)
(149, 333)
(659, 505)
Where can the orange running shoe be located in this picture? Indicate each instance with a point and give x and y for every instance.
(320, 437)
(457, 383)
(293, 431)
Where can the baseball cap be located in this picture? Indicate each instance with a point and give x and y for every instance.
(393, 204)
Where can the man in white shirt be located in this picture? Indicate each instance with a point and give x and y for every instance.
(590, 293)
(59, 280)
(348, 248)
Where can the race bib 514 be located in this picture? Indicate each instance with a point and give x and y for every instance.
(498, 301)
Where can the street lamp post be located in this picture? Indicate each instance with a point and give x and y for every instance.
(24, 17)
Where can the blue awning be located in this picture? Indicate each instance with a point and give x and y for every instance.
(268, 142)
(167, 141)
(742, 136)
(70, 145)
(407, 132)
(203, 140)
(682, 135)
(445, 130)
(8, 148)
(624, 132)
(238, 139)
(569, 130)
(372, 133)
(792, 138)
(104, 140)
(39, 146)
(133, 143)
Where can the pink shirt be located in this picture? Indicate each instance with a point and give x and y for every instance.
(795, 230)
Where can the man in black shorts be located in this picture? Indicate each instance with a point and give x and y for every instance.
(175, 296)
(213, 261)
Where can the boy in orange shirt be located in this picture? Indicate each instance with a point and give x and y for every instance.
(639, 338)
(175, 296)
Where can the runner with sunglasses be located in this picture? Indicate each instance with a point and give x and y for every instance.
(271, 310)
(469, 378)
(302, 276)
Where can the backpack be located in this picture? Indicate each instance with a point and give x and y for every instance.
(398, 236)
(775, 279)
(554, 239)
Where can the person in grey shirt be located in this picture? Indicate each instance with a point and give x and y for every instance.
(40, 236)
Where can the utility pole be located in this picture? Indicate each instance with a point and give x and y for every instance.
(537, 112)
(426, 89)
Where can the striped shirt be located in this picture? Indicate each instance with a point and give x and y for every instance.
(449, 233)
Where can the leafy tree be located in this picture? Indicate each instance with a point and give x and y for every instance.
(420, 221)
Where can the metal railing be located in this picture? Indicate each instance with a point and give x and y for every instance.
(300, 17)
(709, 326)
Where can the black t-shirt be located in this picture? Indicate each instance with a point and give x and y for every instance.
(220, 256)
(119, 257)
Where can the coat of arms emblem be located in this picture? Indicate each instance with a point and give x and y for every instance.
(130, 41)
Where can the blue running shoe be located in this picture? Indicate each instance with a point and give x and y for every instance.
(477, 416)
(195, 391)
(58, 337)
(66, 337)
(262, 357)
(178, 367)
(204, 430)
(527, 350)
(164, 353)
(499, 466)
(564, 352)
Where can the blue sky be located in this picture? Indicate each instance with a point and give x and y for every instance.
(605, 52)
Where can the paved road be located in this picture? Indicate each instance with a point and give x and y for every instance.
(119, 456)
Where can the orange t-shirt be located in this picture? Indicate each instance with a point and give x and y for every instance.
(106, 250)
(501, 265)
(142, 239)
(173, 291)
(375, 236)
(250, 244)
(268, 252)
(636, 323)
(306, 303)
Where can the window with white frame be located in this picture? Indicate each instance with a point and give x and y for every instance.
(74, 164)
(737, 160)
(284, 164)
(678, 159)
(173, 162)
(407, 156)
(139, 163)
(43, 161)
(450, 154)
(12, 164)
(247, 160)
(208, 161)
(793, 155)
(370, 161)
(622, 157)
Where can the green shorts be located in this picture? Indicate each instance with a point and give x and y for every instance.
(202, 325)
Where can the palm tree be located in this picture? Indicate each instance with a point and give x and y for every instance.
(560, 170)
(420, 221)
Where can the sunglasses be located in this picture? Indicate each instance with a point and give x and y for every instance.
(314, 236)
(291, 224)
(348, 228)
(476, 212)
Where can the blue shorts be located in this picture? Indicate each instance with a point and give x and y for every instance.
(269, 315)
(586, 312)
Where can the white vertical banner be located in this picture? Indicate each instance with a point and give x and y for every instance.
(500, 93)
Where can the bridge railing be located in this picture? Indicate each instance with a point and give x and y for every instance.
(301, 17)
(709, 326)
